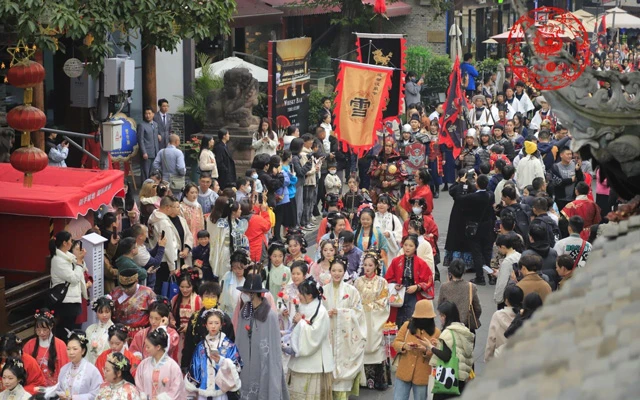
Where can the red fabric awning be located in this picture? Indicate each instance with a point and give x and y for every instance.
(255, 12)
(58, 192)
(396, 9)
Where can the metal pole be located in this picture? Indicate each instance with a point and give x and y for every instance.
(369, 52)
(613, 21)
(68, 133)
(77, 146)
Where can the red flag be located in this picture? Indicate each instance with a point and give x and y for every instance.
(453, 121)
(602, 30)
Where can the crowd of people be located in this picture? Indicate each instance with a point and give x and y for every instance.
(211, 293)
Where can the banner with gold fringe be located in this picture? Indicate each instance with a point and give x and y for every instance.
(361, 95)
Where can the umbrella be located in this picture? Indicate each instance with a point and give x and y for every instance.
(220, 67)
(490, 41)
(621, 18)
(456, 46)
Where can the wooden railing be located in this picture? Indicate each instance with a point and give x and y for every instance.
(18, 304)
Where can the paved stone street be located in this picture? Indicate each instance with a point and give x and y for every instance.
(442, 209)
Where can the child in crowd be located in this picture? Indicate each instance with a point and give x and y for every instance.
(253, 174)
(332, 182)
(200, 255)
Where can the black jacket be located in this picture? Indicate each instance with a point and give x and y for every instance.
(271, 183)
(553, 231)
(226, 165)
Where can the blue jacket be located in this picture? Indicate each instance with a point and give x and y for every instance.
(284, 190)
(197, 378)
(293, 180)
(470, 70)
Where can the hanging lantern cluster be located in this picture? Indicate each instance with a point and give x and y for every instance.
(26, 74)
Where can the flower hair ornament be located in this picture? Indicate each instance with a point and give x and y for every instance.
(46, 314)
(365, 206)
(215, 311)
(15, 362)
(81, 336)
(118, 328)
(121, 364)
(163, 300)
(373, 253)
(101, 302)
(195, 274)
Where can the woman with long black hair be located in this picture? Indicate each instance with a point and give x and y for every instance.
(369, 237)
(206, 158)
(310, 370)
(265, 140)
(224, 232)
(410, 272)
(64, 269)
(11, 346)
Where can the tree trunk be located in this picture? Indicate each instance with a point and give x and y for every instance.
(149, 92)
(37, 138)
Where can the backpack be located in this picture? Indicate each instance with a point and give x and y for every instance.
(522, 219)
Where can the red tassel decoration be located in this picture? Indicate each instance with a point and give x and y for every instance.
(380, 7)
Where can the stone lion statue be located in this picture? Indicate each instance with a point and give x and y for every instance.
(232, 105)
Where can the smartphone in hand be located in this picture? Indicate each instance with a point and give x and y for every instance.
(162, 235)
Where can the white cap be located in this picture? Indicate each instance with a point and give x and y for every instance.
(406, 128)
(471, 132)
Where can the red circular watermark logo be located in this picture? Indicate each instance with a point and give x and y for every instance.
(560, 48)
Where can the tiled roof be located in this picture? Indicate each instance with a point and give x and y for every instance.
(584, 343)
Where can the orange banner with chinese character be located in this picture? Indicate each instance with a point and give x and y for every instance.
(361, 96)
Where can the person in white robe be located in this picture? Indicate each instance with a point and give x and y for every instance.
(98, 333)
(374, 294)
(78, 379)
(348, 332)
(311, 367)
(389, 224)
(13, 377)
(480, 115)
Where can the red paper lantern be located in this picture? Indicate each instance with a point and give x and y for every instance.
(25, 74)
(29, 160)
(26, 119)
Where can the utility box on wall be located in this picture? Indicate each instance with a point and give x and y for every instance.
(119, 75)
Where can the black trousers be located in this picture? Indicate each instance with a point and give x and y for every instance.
(481, 247)
(321, 193)
(67, 314)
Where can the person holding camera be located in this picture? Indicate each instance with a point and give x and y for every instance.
(57, 153)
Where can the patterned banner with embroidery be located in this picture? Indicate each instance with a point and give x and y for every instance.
(361, 95)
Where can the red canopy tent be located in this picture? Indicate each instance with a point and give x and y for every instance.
(28, 216)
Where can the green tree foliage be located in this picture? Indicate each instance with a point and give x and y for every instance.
(195, 105)
(487, 66)
(315, 104)
(92, 23)
(436, 68)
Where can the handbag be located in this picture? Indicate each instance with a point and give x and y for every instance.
(396, 297)
(446, 374)
(176, 182)
(170, 288)
(56, 294)
(396, 359)
(472, 324)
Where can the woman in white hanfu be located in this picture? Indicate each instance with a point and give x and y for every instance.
(311, 369)
(119, 383)
(374, 292)
(389, 224)
(13, 377)
(348, 331)
(78, 379)
(98, 333)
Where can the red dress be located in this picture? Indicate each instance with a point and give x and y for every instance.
(422, 277)
(259, 225)
(42, 358)
(137, 345)
(102, 360)
(421, 192)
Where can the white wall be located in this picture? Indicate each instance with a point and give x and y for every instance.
(169, 77)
